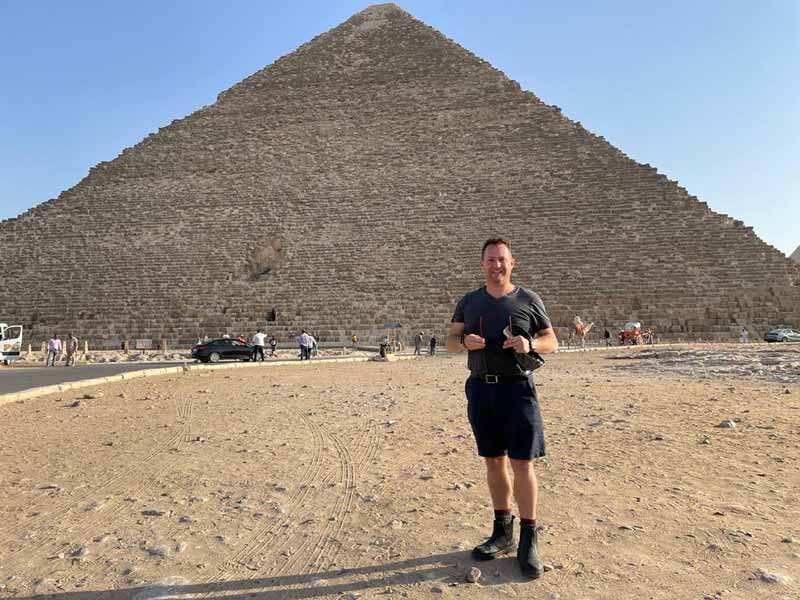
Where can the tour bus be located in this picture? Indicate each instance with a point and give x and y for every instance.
(10, 343)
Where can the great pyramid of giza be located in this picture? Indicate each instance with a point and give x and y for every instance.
(352, 183)
(796, 255)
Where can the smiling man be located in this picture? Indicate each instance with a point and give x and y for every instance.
(501, 325)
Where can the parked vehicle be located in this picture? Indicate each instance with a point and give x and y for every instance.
(222, 349)
(10, 343)
(783, 335)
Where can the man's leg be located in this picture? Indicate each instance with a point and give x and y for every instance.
(499, 482)
(502, 538)
(525, 493)
(525, 488)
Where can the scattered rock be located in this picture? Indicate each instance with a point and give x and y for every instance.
(79, 552)
(162, 551)
(153, 512)
(437, 589)
(727, 424)
(473, 575)
(788, 540)
(768, 577)
(181, 547)
(279, 487)
(75, 404)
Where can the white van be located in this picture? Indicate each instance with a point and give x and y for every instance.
(10, 343)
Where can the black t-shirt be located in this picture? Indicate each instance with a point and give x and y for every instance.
(487, 316)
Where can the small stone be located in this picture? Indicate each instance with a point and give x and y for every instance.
(396, 524)
(94, 396)
(787, 391)
(279, 487)
(727, 424)
(473, 575)
(162, 551)
(79, 552)
(548, 567)
(185, 519)
(427, 476)
(437, 589)
(181, 547)
(768, 577)
(75, 404)
(788, 540)
(153, 512)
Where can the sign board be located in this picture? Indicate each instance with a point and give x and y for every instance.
(392, 325)
(143, 344)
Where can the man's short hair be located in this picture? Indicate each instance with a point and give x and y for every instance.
(494, 242)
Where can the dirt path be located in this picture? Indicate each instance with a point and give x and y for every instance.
(361, 480)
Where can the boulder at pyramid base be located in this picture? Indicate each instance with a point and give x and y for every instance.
(352, 183)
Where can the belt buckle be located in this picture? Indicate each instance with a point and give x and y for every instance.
(491, 378)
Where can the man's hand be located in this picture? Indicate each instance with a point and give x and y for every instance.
(519, 343)
(474, 342)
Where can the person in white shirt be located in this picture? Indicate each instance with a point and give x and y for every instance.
(305, 345)
(258, 345)
(53, 350)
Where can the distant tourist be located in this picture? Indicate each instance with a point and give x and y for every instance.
(258, 345)
(354, 340)
(314, 348)
(53, 350)
(304, 341)
(433, 344)
(607, 337)
(744, 335)
(418, 343)
(72, 349)
(273, 344)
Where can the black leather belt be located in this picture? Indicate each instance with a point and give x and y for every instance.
(487, 378)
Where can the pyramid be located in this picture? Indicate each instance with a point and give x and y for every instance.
(795, 256)
(351, 183)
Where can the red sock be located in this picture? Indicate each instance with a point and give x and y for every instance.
(531, 522)
(503, 514)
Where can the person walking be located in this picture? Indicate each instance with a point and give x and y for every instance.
(273, 345)
(499, 324)
(744, 335)
(433, 344)
(72, 349)
(418, 343)
(258, 345)
(53, 350)
(607, 337)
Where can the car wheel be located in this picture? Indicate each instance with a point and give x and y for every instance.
(214, 357)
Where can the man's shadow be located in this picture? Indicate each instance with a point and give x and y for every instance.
(437, 569)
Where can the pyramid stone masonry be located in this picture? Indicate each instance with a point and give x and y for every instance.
(796, 255)
(352, 183)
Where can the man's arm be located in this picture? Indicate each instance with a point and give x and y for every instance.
(453, 343)
(545, 341)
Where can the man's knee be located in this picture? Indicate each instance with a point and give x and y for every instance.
(495, 463)
(521, 467)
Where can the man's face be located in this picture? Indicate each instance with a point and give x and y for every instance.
(497, 264)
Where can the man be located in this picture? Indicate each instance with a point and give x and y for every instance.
(501, 398)
(304, 340)
(418, 343)
(72, 349)
(433, 344)
(258, 345)
(53, 350)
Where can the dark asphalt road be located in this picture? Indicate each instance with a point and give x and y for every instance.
(16, 379)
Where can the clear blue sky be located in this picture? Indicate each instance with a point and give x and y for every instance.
(706, 91)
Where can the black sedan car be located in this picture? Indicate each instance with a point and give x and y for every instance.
(783, 335)
(222, 349)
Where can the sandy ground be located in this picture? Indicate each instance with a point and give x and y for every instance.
(361, 481)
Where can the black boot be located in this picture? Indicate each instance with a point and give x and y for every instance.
(528, 552)
(501, 541)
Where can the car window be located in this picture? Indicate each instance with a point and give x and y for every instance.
(238, 343)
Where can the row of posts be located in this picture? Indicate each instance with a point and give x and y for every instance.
(125, 347)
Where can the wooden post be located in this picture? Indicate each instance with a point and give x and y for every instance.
(85, 347)
(125, 346)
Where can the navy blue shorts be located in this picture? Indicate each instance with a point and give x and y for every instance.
(505, 418)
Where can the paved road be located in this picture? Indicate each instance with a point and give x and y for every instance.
(16, 379)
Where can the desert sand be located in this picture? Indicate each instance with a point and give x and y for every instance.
(360, 480)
